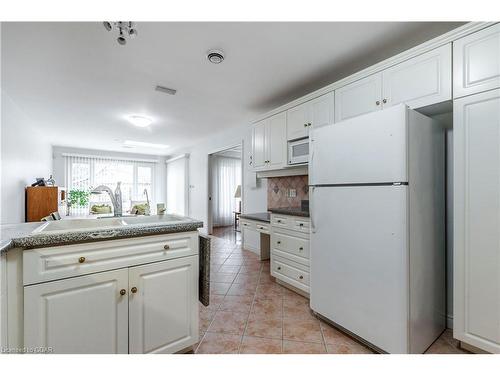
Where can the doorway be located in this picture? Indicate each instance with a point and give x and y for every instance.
(225, 193)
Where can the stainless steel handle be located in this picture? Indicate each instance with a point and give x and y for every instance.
(311, 208)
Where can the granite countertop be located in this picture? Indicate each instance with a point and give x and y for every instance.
(294, 211)
(259, 216)
(23, 235)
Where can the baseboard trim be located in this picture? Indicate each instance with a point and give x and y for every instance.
(449, 321)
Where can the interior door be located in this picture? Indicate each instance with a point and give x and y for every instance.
(359, 97)
(163, 315)
(259, 145)
(420, 81)
(366, 149)
(80, 315)
(359, 261)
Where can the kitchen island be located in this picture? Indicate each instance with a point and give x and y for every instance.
(113, 285)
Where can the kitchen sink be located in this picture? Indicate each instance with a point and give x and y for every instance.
(79, 224)
(153, 219)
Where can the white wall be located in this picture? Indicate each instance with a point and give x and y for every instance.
(254, 198)
(25, 154)
(160, 173)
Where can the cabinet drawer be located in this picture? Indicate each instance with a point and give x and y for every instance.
(291, 273)
(262, 227)
(301, 225)
(298, 247)
(248, 224)
(52, 263)
(280, 221)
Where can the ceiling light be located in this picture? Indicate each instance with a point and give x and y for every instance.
(215, 56)
(125, 29)
(140, 120)
(165, 90)
(144, 144)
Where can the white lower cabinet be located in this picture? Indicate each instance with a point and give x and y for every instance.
(148, 308)
(85, 314)
(163, 315)
(477, 220)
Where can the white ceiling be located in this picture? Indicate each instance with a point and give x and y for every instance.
(75, 81)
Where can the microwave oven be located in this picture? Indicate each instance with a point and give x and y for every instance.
(298, 151)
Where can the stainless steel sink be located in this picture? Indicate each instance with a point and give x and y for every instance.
(79, 224)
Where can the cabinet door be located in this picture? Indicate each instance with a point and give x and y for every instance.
(476, 62)
(298, 120)
(80, 315)
(359, 97)
(476, 220)
(163, 310)
(276, 141)
(322, 110)
(259, 156)
(420, 81)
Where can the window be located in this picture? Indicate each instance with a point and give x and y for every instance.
(85, 173)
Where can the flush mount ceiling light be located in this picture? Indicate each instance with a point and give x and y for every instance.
(126, 29)
(139, 120)
(129, 143)
(215, 56)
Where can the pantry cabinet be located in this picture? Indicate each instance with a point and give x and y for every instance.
(269, 146)
(417, 82)
(476, 62)
(476, 220)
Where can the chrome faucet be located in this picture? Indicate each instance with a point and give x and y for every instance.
(116, 198)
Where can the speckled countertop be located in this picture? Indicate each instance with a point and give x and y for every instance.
(294, 211)
(27, 235)
(259, 216)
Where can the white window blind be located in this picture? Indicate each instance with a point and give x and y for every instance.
(226, 176)
(83, 173)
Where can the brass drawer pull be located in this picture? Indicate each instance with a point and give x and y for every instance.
(123, 292)
(166, 247)
(133, 290)
(81, 259)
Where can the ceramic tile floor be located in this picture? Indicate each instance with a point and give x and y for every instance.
(250, 313)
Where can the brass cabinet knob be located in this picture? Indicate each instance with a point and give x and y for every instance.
(301, 277)
(123, 292)
(133, 290)
(166, 247)
(81, 259)
(384, 101)
(377, 102)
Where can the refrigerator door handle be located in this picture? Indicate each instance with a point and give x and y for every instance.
(311, 208)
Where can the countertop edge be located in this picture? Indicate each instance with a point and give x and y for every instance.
(287, 211)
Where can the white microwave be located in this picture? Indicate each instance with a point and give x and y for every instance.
(298, 151)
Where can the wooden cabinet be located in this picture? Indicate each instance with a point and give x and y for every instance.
(163, 312)
(85, 314)
(359, 97)
(476, 220)
(420, 81)
(269, 143)
(476, 62)
(146, 308)
(41, 201)
(417, 82)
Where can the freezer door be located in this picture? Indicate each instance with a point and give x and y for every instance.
(359, 261)
(365, 149)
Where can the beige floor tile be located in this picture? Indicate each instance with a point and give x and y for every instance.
(298, 312)
(221, 277)
(215, 301)
(297, 347)
(233, 262)
(217, 343)
(229, 269)
(259, 345)
(306, 331)
(264, 327)
(231, 322)
(237, 303)
(268, 308)
(206, 317)
(247, 278)
(241, 290)
(347, 347)
(219, 288)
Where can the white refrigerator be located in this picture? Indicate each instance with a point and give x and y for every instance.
(377, 200)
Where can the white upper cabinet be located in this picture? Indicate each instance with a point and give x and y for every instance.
(476, 220)
(163, 306)
(322, 110)
(80, 315)
(269, 143)
(298, 120)
(420, 81)
(359, 97)
(476, 62)
(259, 145)
(276, 144)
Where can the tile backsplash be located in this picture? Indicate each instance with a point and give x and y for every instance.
(278, 191)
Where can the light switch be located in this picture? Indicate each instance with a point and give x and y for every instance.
(292, 193)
